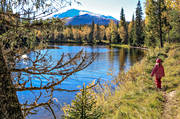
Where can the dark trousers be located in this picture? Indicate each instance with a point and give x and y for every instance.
(158, 82)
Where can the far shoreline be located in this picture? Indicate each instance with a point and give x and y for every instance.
(98, 43)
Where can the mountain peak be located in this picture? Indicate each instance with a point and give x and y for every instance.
(77, 17)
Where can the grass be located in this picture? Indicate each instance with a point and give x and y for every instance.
(119, 45)
(136, 97)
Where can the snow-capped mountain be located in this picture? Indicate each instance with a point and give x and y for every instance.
(77, 17)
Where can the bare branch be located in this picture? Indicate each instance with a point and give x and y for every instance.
(56, 89)
(27, 108)
(64, 67)
(52, 111)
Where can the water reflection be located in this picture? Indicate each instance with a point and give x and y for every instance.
(121, 59)
(109, 60)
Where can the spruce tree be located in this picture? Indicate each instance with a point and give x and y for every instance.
(131, 32)
(122, 16)
(91, 38)
(173, 24)
(83, 106)
(113, 32)
(155, 21)
(123, 30)
(139, 35)
(98, 34)
(95, 33)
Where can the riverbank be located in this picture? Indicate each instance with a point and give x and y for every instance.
(136, 95)
(99, 43)
(128, 46)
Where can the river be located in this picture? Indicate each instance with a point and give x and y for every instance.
(109, 62)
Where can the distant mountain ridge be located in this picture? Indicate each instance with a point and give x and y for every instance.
(81, 17)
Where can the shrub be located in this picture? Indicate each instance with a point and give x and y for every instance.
(83, 106)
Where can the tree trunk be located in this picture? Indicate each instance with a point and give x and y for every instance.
(9, 104)
(160, 25)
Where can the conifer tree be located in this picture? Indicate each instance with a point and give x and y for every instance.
(98, 38)
(91, 38)
(83, 106)
(122, 16)
(102, 33)
(139, 35)
(108, 34)
(131, 32)
(96, 33)
(155, 21)
(123, 31)
(173, 25)
(113, 32)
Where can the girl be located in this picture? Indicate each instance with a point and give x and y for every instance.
(158, 70)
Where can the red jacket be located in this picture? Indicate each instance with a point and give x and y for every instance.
(158, 70)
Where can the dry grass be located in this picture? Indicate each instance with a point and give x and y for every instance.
(136, 97)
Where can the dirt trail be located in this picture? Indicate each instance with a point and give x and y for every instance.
(170, 106)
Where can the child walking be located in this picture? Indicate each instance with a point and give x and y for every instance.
(158, 70)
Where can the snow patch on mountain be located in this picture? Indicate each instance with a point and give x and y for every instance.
(77, 17)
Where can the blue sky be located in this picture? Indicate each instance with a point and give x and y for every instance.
(109, 7)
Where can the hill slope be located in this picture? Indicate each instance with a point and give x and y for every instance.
(81, 17)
